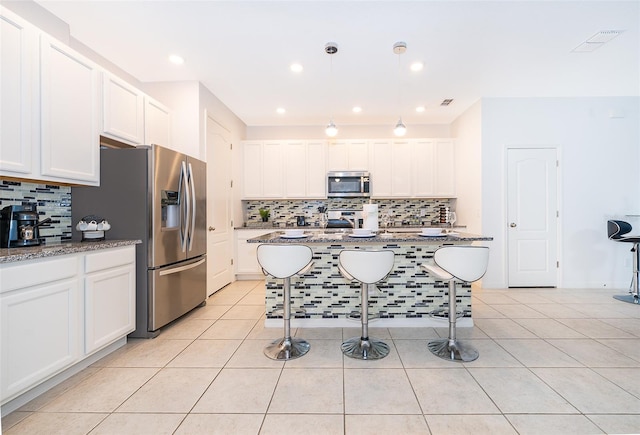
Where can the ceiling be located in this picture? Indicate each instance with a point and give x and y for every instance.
(241, 51)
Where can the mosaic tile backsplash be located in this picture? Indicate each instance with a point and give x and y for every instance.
(408, 291)
(52, 201)
(403, 211)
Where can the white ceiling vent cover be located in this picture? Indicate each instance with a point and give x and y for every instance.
(597, 40)
(604, 36)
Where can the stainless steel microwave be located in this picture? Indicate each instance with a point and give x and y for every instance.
(348, 184)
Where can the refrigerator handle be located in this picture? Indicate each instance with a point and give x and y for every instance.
(193, 207)
(184, 207)
(181, 268)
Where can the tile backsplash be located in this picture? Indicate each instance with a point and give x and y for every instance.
(52, 201)
(403, 211)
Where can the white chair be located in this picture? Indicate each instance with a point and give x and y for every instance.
(616, 231)
(367, 267)
(456, 263)
(284, 261)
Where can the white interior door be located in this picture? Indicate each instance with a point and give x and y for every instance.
(219, 240)
(532, 217)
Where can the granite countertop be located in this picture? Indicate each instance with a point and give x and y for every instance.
(281, 227)
(345, 237)
(9, 255)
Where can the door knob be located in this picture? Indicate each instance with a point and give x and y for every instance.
(212, 228)
(513, 225)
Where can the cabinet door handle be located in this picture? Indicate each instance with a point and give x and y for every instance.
(212, 228)
(513, 225)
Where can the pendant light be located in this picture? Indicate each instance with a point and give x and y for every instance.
(331, 48)
(400, 129)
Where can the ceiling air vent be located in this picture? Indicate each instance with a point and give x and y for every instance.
(597, 40)
(446, 102)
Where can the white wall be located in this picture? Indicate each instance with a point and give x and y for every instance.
(467, 131)
(345, 132)
(190, 103)
(598, 179)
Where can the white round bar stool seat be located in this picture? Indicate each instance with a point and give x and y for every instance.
(456, 263)
(284, 261)
(367, 267)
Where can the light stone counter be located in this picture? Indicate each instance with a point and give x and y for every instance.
(8, 255)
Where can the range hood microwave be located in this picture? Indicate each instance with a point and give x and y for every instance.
(348, 184)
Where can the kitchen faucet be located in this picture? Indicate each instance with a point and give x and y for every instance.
(353, 222)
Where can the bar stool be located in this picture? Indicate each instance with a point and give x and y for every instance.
(284, 261)
(462, 263)
(615, 230)
(367, 267)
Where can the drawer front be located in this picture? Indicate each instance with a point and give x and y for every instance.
(109, 258)
(35, 272)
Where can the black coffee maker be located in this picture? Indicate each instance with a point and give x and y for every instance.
(19, 226)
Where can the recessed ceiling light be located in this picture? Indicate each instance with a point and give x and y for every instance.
(296, 68)
(357, 109)
(420, 109)
(417, 66)
(280, 110)
(176, 60)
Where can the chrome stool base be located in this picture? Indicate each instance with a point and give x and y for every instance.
(284, 350)
(453, 350)
(365, 348)
(631, 298)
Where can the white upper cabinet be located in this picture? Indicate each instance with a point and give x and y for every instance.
(434, 161)
(424, 182)
(401, 173)
(408, 168)
(18, 42)
(157, 123)
(295, 169)
(69, 114)
(272, 170)
(316, 175)
(348, 155)
(413, 168)
(133, 117)
(445, 177)
(252, 169)
(284, 169)
(381, 174)
(123, 111)
(51, 107)
(391, 168)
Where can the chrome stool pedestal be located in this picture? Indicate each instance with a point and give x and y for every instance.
(287, 348)
(466, 264)
(368, 267)
(365, 347)
(284, 261)
(450, 348)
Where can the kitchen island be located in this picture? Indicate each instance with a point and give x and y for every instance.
(406, 298)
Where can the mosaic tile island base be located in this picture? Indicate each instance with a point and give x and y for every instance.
(407, 298)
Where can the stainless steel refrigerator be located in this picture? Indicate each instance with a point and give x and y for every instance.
(156, 195)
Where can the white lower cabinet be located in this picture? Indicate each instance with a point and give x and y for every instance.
(246, 258)
(109, 297)
(40, 327)
(57, 311)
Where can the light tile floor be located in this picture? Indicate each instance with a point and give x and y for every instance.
(551, 362)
